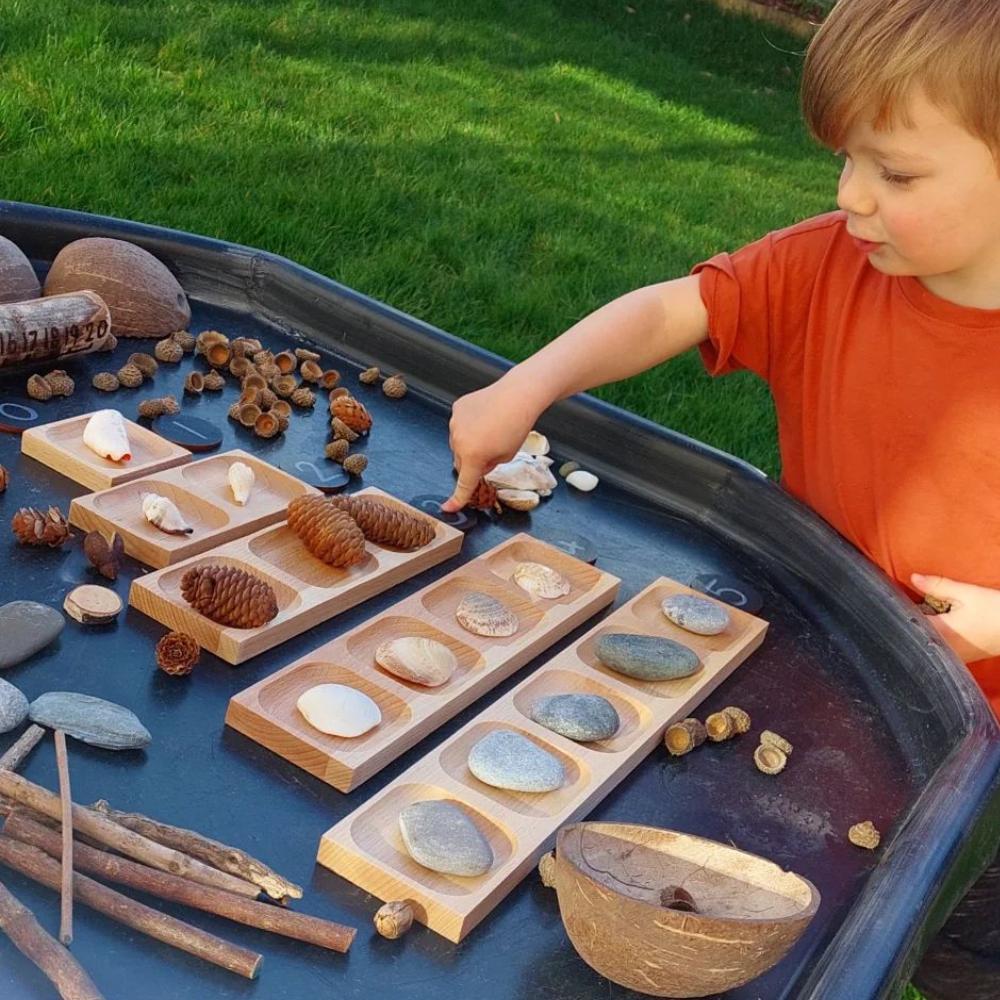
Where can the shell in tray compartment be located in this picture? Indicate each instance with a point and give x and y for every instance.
(540, 580)
(417, 659)
(105, 435)
(482, 614)
(339, 710)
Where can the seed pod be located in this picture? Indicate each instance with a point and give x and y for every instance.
(284, 385)
(394, 919)
(177, 654)
(719, 727)
(337, 393)
(168, 351)
(303, 397)
(329, 378)
(214, 381)
(682, 737)
(310, 371)
(267, 425)
(769, 759)
(369, 376)
(130, 376)
(394, 387)
(286, 362)
(305, 355)
(739, 718)
(194, 383)
(248, 414)
(60, 383)
(547, 870)
(341, 432)
(146, 364)
(185, 339)
(39, 389)
(864, 835)
(337, 450)
(218, 355)
(775, 740)
(254, 381)
(355, 464)
(105, 381)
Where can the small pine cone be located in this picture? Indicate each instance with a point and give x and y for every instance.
(284, 385)
(194, 383)
(185, 339)
(39, 389)
(303, 396)
(35, 527)
(353, 413)
(168, 351)
(337, 450)
(385, 524)
(369, 376)
(266, 399)
(305, 355)
(229, 596)
(214, 381)
(355, 464)
(328, 533)
(177, 653)
(146, 364)
(484, 497)
(341, 432)
(130, 376)
(153, 408)
(310, 371)
(105, 381)
(394, 387)
(60, 383)
(4, 479)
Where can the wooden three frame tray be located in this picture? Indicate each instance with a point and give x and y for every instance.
(59, 445)
(308, 590)
(267, 713)
(366, 846)
(201, 492)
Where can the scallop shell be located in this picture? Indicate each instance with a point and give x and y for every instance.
(582, 480)
(241, 480)
(535, 444)
(523, 472)
(105, 435)
(518, 499)
(422, 661)
(481, 614)
(540, 580)
(162, 513)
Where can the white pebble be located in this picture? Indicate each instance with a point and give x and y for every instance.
(582, 480)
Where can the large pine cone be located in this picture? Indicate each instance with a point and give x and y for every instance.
(177, 653)
(353, 413)
(33, 527)
(229, 596)
(328, 533)
(384, 524)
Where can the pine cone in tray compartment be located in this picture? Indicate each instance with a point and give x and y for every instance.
(385, 524)
(326, 531)
(35, 527)
(229, 596)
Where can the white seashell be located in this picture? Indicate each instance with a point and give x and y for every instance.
(339, 710)
(241, 480)
(540, 580)
(422, 661)
(484, 615)
(162, 513)
(582, 480)
(523, 472)
(105, 435)
(518, 499)
(535, 444)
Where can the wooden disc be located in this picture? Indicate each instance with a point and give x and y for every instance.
(92, 605)
(328, 477)
(189, 432)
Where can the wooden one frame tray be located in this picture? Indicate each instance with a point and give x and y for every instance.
(59, 445)
(308, 590)
(201, 492)
(266, 711)
(366, 847)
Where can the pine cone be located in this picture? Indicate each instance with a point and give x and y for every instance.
(484, 497)
(105, 381)
(146, 364)
(4, 478)
(229, 596)
(60, 383)
(104, 556)
(394, 387)
(355, 464)
(39, 389)
(303, 396)
(351, 412)
(384, 524)
(33, 527)
(369, 376)
(130, 376)
(177, 653)
(328, 533)
(168, 351)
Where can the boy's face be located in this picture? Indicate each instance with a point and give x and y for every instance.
(929, 196)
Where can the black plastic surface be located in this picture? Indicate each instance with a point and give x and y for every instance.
(886, 724)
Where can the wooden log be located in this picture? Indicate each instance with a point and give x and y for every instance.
(57, 327)
(30, 938)
(39, 866)
(313, 930)
(66, 858)
(104, 831)
(221, 856)
(17, 754)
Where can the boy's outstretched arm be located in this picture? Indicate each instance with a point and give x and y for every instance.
(972, 626)
(628, 335)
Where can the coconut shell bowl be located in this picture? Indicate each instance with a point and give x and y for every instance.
(673, 915)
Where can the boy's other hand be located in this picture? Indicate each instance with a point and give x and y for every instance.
(972, 626)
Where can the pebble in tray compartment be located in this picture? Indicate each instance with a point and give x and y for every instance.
(440, 836)
(646, 657)
(506, 759)
(696, 614)
(579, 717)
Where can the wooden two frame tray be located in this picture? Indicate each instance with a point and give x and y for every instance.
(267, 713)
(366, 846)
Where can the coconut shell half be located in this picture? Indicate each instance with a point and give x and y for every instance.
(18, 281)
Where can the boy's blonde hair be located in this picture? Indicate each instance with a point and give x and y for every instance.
(869, 54)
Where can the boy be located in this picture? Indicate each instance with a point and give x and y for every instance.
(877, 327)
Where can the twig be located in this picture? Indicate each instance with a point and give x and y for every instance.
(30, 938)
(66, 806)
(39, 866)
(16, 755)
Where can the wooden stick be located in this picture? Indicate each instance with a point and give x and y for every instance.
(104, 831)
(66, 807)
(223, 857)
(39, 866)
(30, 938)
(16, 755)
(324, 933)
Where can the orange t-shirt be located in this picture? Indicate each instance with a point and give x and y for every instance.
(887, 398)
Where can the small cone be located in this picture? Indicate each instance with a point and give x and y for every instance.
(229, 596)
(384, 524)
(326, 531)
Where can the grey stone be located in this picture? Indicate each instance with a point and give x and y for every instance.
(646, 657)
(580, 717)
(696, 614)
(25, 628)
(505, 759)
(93, 720)
(440, 836)
(13, 707)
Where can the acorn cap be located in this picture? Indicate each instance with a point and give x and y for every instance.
(234, 410)
(282, 408)
(341, 432)
(105, 381)
(394, 919)
(254, 381)
(168, 351)
(184, 339)
(329, 378)
(263, 357)
(303, 396)
(355, 464)
(146, 364)
(769, 759)
(394, 387)
(369, 376)
(719, 727)
(218, 355)
(864, 835)
(130, 376)
(248, 414)
(547, 869)
(240, 367)
(775, 740)
(739, 718)
(251, 395)
(207, 338)
(267, 400)
(310, 371)
(38, 388)
(285, 385)
(682, 737)
(194, 382)
(337, 450)
(303, 354)
(267, 425)
(60, 383)
(214, 381)
(340, 390)
(286, 362)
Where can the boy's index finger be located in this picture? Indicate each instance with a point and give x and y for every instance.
(468, 479)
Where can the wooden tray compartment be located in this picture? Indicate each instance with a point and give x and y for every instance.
(59, 445)
(266, 711)
(308, 591)
(367, 848)
(202, 494)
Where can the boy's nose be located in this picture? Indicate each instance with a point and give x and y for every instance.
(852, 196)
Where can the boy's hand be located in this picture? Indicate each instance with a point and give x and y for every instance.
(972, 626)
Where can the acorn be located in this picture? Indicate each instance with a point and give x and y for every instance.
(105, 381)
(369, 376)
(337, 450)
(146, 364)
(214, 381)
(60, 383)
(394, 387)
(303, 397)
(355, 464)
(194, 383)
(168, 351)
(267, 425)
(310, 371)
(130, 376)
(682, 737)
(39, 389)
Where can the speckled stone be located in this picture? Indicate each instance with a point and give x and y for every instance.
(646, 657)
(13, 707)
(696, 614)
(580, 717)
(93, 720)
(505, 759)
(440, 836)
(25, 628)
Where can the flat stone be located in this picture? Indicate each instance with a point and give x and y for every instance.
(580, 717)
(696, 614)
(440, 836)
(13, 707)
(339, 710)
(416, 659)
(25, 628)
(646, 657)
(93, 720)
(505, 759)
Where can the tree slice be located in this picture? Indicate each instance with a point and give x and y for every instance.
(93, 605)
